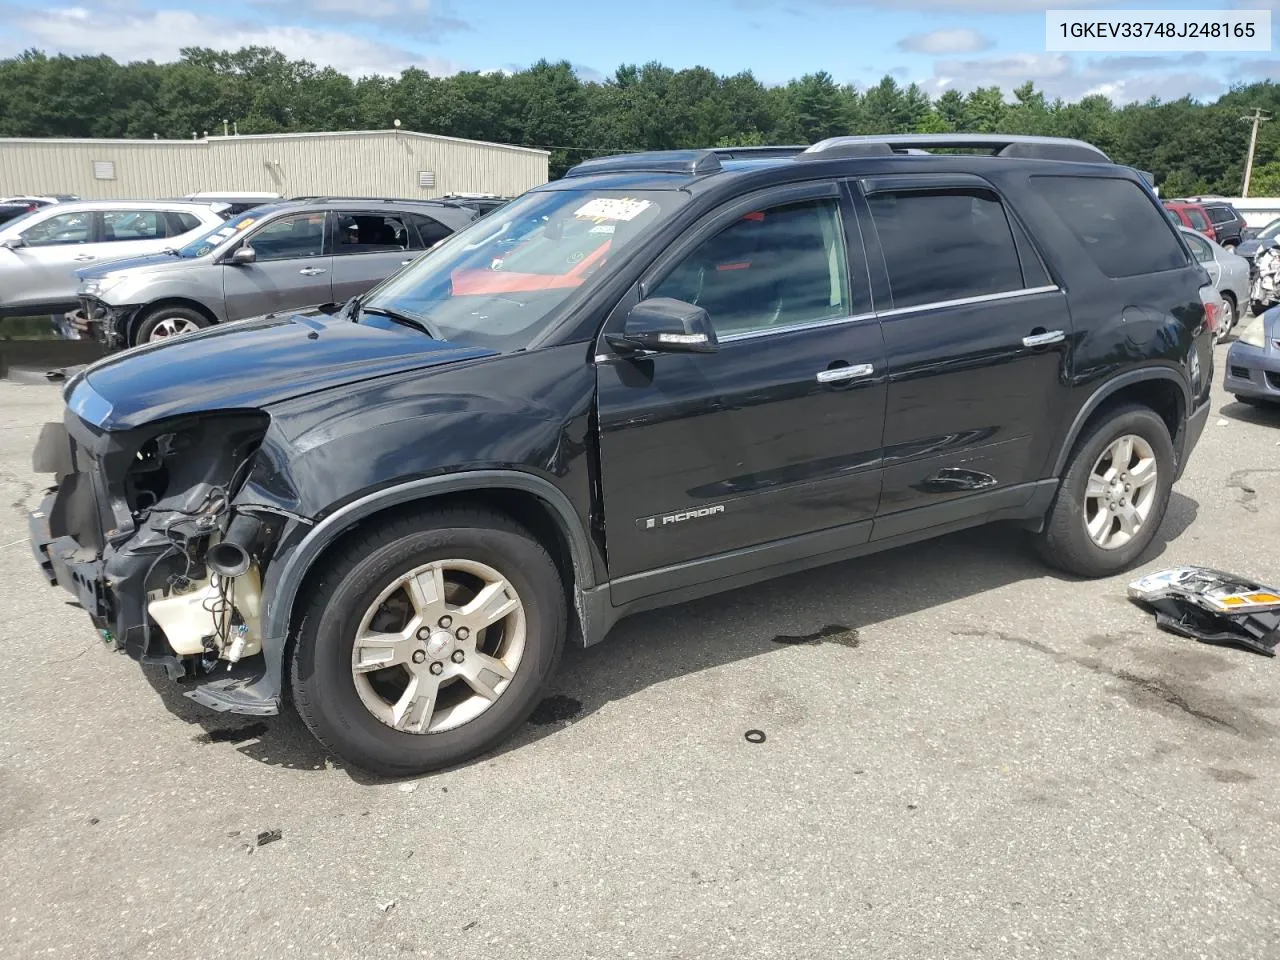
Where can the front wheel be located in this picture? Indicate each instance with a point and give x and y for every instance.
(428, 642)
(1113, 496)
(164, 323)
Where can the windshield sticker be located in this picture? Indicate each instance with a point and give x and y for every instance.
(246, 223)
(612, 208)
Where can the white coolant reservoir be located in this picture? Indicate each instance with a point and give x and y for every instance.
(188, 617)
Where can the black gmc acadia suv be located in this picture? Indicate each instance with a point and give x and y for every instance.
(661, 376)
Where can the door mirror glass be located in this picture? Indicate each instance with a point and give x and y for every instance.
(13, 243)
(245, 254)
(667, 326)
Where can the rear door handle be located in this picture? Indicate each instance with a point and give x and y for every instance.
(311, 271)
(1044, 339)
(855, 372)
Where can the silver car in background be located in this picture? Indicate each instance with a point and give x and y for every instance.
(1229, 274)
(276, 257)
(41, 251)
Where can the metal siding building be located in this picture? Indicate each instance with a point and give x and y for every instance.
(391, 163)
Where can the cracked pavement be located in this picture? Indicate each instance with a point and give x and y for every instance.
(966, 755)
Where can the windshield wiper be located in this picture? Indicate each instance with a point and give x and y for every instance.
(171, 252)
(397, 316)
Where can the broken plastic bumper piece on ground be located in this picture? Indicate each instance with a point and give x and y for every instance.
(1212, 607)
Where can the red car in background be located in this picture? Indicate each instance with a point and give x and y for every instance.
(1216, 219)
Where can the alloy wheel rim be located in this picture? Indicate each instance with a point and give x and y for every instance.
(1121, 492)
(438, 646)
(1228, 320)
(172, 327)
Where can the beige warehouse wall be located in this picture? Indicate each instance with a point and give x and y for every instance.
(380, 163)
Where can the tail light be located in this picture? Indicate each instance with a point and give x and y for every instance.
(1212, 307)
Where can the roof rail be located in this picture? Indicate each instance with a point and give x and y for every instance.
(326, 198)
(694, 163)
(999, 144)
(756, 153)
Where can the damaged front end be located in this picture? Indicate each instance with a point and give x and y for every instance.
(144, 530)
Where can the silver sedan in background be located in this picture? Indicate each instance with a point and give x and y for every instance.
(1230, 276)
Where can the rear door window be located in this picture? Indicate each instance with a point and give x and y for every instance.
(1220, 214)
(1200, 248)
(942, 245)
(430, 230)
(1197, 219)
(1115, 221)
(371, 232)
(119, 225)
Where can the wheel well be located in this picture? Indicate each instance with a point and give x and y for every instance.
(526, 509)
(143, 312)
(1160, 395)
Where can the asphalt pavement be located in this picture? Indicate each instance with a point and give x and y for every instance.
(977, 757)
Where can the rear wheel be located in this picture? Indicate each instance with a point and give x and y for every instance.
(1230, 316)
(1113, 496)
(164, 323)
(428, 642)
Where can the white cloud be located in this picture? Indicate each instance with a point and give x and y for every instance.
(161, 34)
(939, 42)
(1122, 79)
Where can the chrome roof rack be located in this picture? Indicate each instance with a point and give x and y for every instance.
(998, 144)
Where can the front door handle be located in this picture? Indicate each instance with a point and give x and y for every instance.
(85, 256)
(855, 372)
(311, 271)
(1044, 338)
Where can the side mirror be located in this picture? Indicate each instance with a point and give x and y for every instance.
(667, 326)
(13, 243)
(245, 254)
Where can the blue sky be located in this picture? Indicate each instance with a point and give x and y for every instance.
(937, 43)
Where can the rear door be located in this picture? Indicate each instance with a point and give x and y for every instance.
(775, 435)
(291, 269)
(368, 246)
(977, 339)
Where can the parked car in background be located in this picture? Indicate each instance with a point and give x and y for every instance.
(41, 200)
(1216, 219)
(236, 201)
(1253, 361)
(13, 207)
(41, 251)
(1230, 276)
(486, 203)
(281, 256)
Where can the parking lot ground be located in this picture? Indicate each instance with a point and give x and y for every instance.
(984, 759)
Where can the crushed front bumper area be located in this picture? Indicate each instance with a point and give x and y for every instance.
(107, 324)
(115, 561)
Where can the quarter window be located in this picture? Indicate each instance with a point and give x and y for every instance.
(772, 268)
(64, 228)
(942, 245)
(290, 238)
(1115, 221)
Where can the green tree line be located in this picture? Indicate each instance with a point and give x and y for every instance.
(1191, 147)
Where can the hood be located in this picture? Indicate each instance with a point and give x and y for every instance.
(150, 262)
(249, 365)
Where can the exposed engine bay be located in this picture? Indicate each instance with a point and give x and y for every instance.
(168, 568)
(1265, 289)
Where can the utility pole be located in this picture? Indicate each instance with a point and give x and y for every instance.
(1256, 119)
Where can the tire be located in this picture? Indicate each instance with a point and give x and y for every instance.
(334, 700)
(1230, 317)
(156, 321)
(1065, 543)
(1230, 247)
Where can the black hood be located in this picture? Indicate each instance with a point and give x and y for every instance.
(248, 365)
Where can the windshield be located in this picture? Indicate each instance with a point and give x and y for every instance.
(219, 235)
(497, 283)
(1272, 229)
